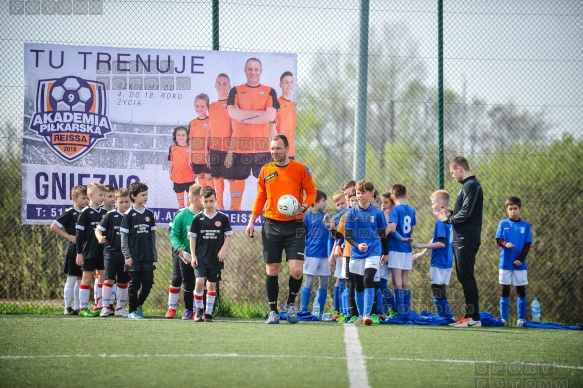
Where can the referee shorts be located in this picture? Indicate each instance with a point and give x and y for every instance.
(283, 235)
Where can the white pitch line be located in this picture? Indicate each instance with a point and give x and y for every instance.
(357, 376)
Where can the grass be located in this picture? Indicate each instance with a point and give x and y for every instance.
(65, 351)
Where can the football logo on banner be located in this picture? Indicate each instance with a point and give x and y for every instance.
(70, 115)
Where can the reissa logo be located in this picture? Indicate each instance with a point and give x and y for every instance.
(70, 115)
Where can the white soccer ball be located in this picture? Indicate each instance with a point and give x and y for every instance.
(287, 205)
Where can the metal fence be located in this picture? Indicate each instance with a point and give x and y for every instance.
(512, 106)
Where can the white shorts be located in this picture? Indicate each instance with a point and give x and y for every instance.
(383, 273)
(344, 274)
(401, 260)
(316, 266)
(440, 275)
(358, 266)
(512, 277)
(338, 268)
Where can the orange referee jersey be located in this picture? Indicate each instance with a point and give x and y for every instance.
(286, 122)
(221, 129)
(180, 158)
(252, 138)
(347, 246)
(275, 181)
(198, 143)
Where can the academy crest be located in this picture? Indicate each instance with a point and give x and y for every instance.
(70, 115)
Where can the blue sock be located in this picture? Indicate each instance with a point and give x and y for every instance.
(399, 301)
(504, 302)
(388, 295)
(305, 299)
(380, 301)
(336, 298)
(446, 309)
(521, 307)
(407, 300)
(359, 296)
(345, 307)
(369, 294)
(321, 296)
(438, 307)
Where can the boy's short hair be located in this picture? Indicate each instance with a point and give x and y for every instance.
(349, 184)
(460, 161)
(77, 191)
(513, 201)
(320, 195)
(386, 194)
(203, 97)
(180, 128)
(194, 190)
(136, 188)
(109, 188)
(375, 193)
(398, 190)
(364, 185)
(285, 74)
(352, 193)
(94, 186)
(337, 196)
(440, 194)
(121, 192)
(207, 191)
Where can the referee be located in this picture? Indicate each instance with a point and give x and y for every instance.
(279, 233)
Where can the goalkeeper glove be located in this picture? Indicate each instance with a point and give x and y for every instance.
(185, 256)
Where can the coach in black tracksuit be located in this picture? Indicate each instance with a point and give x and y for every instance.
(466, 219)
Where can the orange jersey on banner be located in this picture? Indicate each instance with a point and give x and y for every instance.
(286, 122)
(221, 129)
(275, 181)
(347, 246)
(180, 158)
(252, 138)
(198, 143)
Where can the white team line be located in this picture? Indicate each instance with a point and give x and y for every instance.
(277, 356)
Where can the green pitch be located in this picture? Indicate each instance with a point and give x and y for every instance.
(71, 351)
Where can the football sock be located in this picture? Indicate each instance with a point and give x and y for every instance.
(344, 302)
(98, 294)
(220, 188)
(210, 301)
(368, 300)
(305, 298)
(237, 188)
(188, 300)
(122, 296)
(76, 294)
(294, 289)
(106, 295)
(379, 301)
(180, 199)
(198, 300)
(359, 298)
(438, 307)
(389, 298)
(210, 182)
(336, 298)
(399, 301)
(407, 300)
(521, 307)
(69, 290)
(321, 296)
(173, 293)
(504, 303)
(446, 308)
(84, 296)
(272, 288)
(113, 293)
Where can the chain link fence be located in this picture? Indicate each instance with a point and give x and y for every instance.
(512, 106)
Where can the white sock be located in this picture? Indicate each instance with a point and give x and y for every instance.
(76, 294)
(113, 293)
(173, 294)
(84, 296)
(106, 295)
(198, 303)
(69, 290)
(210, 301)
(97, 294)
(122, 296)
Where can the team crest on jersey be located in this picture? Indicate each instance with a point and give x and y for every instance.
(70, 115)
(261, 93)
(147, 219)
(371, 218)
(522, 229)
(225, 105)
(218, 224)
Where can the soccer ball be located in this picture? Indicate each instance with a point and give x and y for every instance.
(287, 205)
(72, 94)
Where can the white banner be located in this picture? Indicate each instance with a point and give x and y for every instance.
(108, 114)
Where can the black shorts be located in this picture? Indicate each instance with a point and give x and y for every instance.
(212, 275)
(283, 235)
(217, 161)
(201, 169)
(70, 267)
(182, 187)
(114, 267)
(95, 264)
(245, 164)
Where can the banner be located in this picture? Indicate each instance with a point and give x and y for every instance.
(111, 115)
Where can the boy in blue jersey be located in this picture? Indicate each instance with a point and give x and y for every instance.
(514, 238)
(316, 254)
(335, 254)
(441, 256)
(366, 232)
(402, 220)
